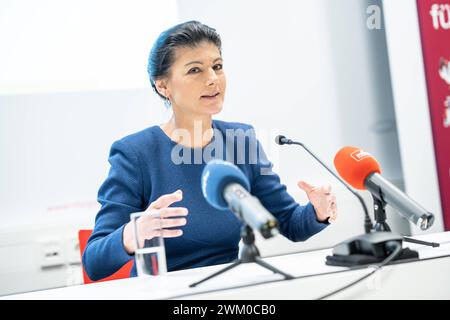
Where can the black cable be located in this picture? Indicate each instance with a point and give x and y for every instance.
(395, 253)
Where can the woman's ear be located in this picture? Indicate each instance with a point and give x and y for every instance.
(161, 86)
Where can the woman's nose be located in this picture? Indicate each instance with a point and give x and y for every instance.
(212, 77)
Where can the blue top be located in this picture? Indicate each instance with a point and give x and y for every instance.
(142, 169)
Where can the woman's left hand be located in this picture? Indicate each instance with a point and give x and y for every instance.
(323, 200)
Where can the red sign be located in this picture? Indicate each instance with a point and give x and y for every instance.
(434, 21)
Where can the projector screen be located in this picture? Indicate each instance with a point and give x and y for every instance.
(73, 79)
(50, 45)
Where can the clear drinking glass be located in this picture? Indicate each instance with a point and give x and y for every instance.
(150, 254)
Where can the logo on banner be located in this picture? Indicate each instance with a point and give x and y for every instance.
(444, 73)
(440, 14)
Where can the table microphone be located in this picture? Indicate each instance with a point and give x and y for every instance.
(362, 171)
(225, 186)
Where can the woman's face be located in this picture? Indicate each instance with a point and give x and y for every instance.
(196, 82)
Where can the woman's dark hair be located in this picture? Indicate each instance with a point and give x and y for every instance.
(188, 34)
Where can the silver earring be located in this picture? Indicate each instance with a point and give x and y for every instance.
(167, 103)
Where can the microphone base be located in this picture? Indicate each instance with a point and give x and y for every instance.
(249, 253)
(366, 260)
(368, 249)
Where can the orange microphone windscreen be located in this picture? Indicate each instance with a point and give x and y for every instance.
(354, 165)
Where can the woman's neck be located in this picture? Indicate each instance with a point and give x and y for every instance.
(194, 132)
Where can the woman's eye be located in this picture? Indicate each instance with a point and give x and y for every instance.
(194, 70)
(218, 67)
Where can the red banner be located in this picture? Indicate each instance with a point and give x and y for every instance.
(434, 21)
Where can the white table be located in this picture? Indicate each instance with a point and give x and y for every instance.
(428, 278)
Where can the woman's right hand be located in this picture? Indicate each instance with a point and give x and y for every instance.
(154, 224)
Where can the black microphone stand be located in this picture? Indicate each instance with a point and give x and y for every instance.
(379, 215)
(381, 225)
(367, 221)
(249, 253)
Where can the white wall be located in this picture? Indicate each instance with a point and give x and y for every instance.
(411, 107)
(55, 148)
(50, 45)
(313, 71)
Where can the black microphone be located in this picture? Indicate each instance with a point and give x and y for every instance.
(282, 140)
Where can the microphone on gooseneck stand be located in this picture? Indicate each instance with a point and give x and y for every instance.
(378, 248)
(282, 140)
(362, 171)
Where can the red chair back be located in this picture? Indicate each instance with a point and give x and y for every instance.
(122, 273)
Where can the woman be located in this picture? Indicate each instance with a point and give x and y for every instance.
(159, 168)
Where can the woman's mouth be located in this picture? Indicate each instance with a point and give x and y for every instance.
(211, 97)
